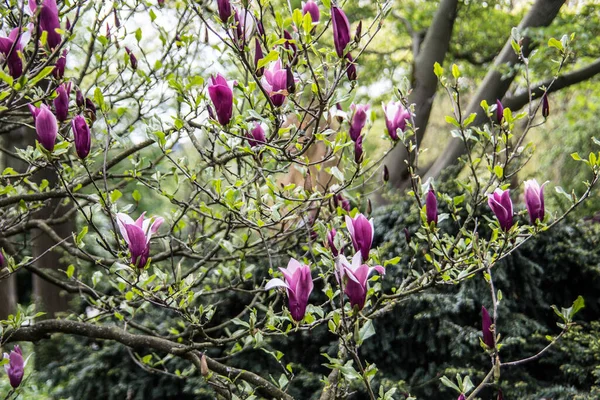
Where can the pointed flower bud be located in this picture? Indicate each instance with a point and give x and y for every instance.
(396, 117)
(256, 137)
(291, 82)
(486, 324)
(330, 242)
(311, 8)
(545, 106)
(407, 235)
(358, 32)
(224, 7)
(117, 20)
(461, 397)
(61, 102)
(356, 285)
(79, 100)
(358, 150)
(386, 174)
(299, 285)
(274, 82)
(108, 31)
(351, 68)
(260, 28)
(15, 368)
(431, 207)
(499, 112)
(220, 91)
(61, 63)
(48, 20)
(46, 126)
(501, 205)
(258, 55)
(341, 30)
(90, 106)
(359, 119)
(290, 45)
(82, 136)
(361, 231)
(500, 396)
(534, 200)
(137, 234)
(132, 58)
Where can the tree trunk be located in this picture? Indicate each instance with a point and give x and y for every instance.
(493, 87)
(434, 49)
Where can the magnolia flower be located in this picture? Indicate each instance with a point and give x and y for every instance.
(298, 283)
(359, 119)
(396, 117)
(256, 137)
(341, 30)
(59, 68)
(15, 367)
(48, 20)
(132, 58)
(330, 242)
(220, 91)
(46, 126)
(310, 7)
(274, 81)
(534, 200)
(431, 207)
(356, 286)
(486, 324)
(501, 205)
(224, 7)
(137, 234)
(10, 47)
(362, 231)
(61, 102)
(244, 27)
(82, 136)
(499, 111)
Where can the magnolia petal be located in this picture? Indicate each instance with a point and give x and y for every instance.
(275, 282)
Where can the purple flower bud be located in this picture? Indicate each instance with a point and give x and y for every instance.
(260, 28)
(10, 47)
(243, 28)
(357, 274)
(330, 242)
(362, 231)
(1, 259)
(500, 396)
(351, 69)
(299, 285)
(359, 119)
(339, 200)
(82, 136)
(341, 30)
(220, 91)
(117, 21)
(396, 117)
(258, 55)
(61, 63)
(132, 58)
(15, 368)
(358, 150)
(79, 98)
(161, 3)
(108, 31)
(291, 82)
(290, 45)
(461, 397)
(89, 105)
(534, 200)
(545, 106)
(224, 7)
(137, 234)
(407, 235)
(312, 8)
(499, 112)
(46, 126)
(48, 20)
(274, 82)
(386, 174)
(256, 137)
(431, 207)
(501, 205)
(211, 112)
(68, 24)
(61, 102)
(358, 32)
(486, 324)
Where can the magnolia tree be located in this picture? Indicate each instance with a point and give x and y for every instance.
(208, 151)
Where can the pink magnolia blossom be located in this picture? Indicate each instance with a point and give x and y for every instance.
(299, 285)
(356, 286)
(137, 234)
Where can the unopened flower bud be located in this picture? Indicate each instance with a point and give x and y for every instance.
(386, 174)
(545, 106)
(357, 34)
(499, 112)
(291, 83)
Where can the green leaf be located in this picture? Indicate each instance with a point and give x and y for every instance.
(575, 156)
(578, 304)
(6, 78)
(272, 56)
(99, 98)
(366, 331)
(438, 70)
(81, 235)
(136, 195)
(138, 34)
(307, 23)
(447, 382)
(455, 71)
(556, 44)
(392, 261)
(115, 195)
(70, 271)
(41, 75)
